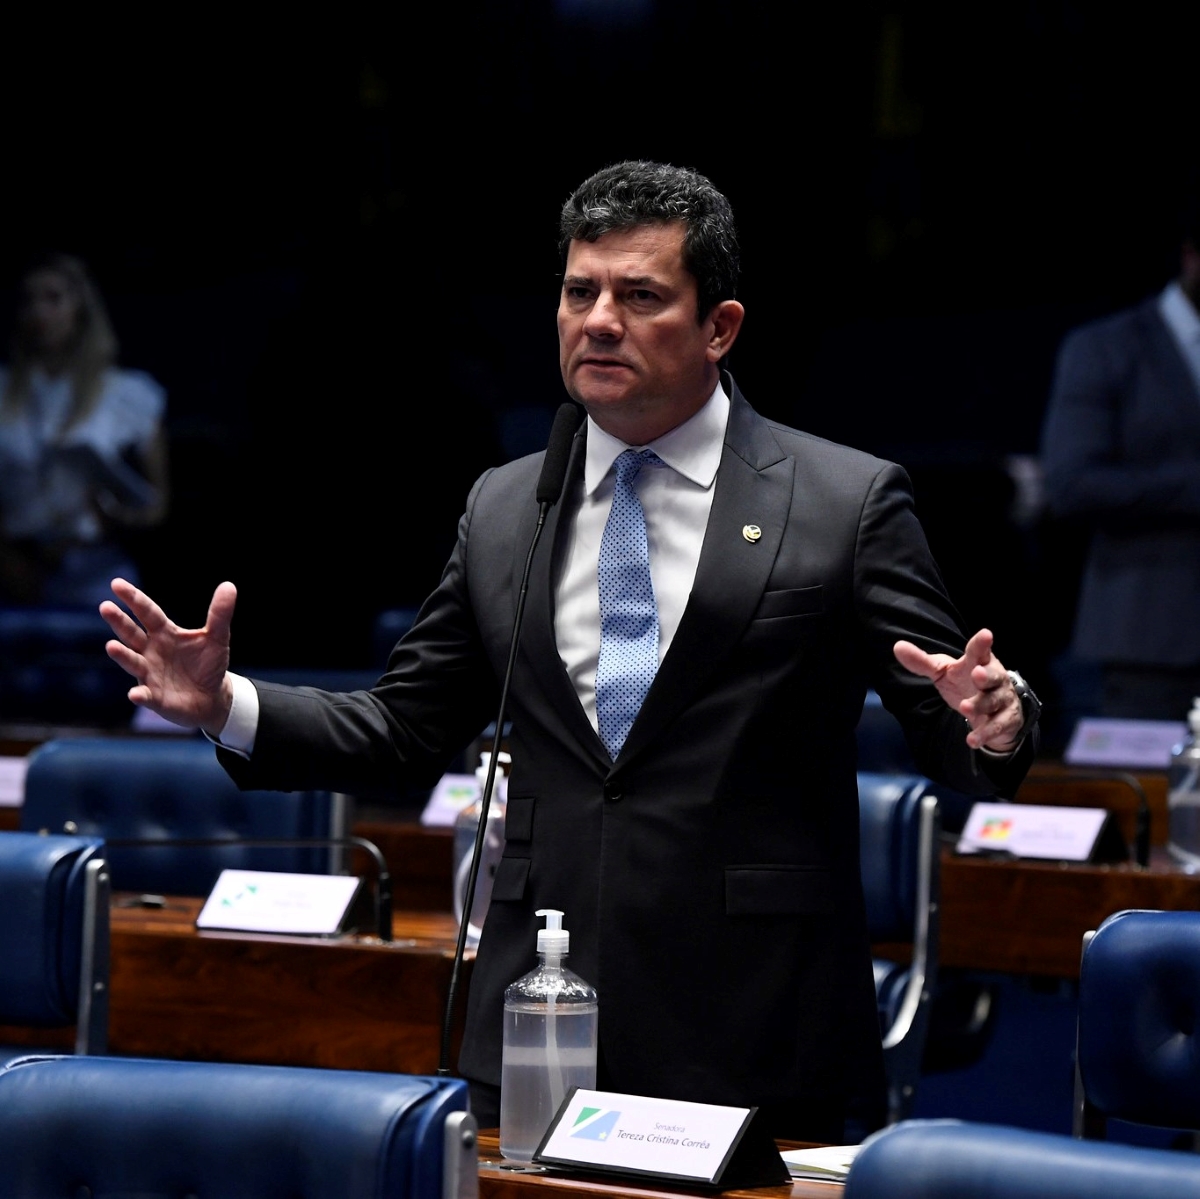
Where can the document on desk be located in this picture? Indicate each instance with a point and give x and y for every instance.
(825, 1163)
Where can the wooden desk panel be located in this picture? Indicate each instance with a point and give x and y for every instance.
(1029, 917)
(353, 1003)
(420, 861)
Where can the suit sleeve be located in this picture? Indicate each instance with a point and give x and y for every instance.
(899, 594)
(438, 692)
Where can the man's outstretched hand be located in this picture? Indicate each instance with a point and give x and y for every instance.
(975, 685)
(180, 672)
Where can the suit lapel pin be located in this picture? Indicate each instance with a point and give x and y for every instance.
(751, 533)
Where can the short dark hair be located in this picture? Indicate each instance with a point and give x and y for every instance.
(627, 194)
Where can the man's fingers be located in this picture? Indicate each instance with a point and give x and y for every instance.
(913, 658)
(129, 661)
(147, 612)
(979, 649)
(123, 625)
(220, 612)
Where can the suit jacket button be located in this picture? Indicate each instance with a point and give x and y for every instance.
(613, 792)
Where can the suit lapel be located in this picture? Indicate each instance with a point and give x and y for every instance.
(753, 488)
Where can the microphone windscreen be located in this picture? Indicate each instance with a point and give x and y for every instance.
(558, 450)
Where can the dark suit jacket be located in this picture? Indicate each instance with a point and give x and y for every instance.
(1121, 449)
(710, 876)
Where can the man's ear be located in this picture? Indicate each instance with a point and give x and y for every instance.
(726, 319)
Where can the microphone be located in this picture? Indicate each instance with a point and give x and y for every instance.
(383, 880)
(549, 488)
(558, 453)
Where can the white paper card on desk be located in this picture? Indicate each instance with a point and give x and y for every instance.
(1134, 744)
(708, 1144)
(823, 1162)
(1032, 831)
(275, 901)
(453, 793)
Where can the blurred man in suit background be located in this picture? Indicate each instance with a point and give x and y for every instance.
(1121, 455)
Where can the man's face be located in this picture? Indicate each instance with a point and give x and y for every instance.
(630, 347)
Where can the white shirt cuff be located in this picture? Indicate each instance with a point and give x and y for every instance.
(242, 726)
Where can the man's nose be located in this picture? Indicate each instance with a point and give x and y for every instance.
(603, 318)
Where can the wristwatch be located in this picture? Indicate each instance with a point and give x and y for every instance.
(1031, 706)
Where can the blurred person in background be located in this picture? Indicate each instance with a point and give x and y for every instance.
(83, 449)
(1121, 456)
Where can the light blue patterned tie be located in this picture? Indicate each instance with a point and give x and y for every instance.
(628, 613)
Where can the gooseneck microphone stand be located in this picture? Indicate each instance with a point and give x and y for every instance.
(549, 489)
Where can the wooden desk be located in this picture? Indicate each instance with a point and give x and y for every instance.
(496, 1182)
(1029, 917)
(352, 1003)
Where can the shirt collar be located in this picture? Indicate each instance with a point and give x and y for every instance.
(1181, 318)
(692, 449)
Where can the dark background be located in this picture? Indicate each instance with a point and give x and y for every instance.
(334, 244)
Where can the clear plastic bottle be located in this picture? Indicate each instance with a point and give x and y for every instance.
(1183, 796)
(466, 826)
(550, 1024)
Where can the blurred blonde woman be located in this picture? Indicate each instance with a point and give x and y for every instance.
(83, 454)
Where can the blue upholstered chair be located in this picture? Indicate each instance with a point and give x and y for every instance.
(54, 937)
(127, 1126)
(171, 789)
(898, 816)
(949, 1159)
(1138, 1049)
(53, 668)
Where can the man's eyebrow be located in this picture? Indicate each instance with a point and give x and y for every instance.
(624, 280)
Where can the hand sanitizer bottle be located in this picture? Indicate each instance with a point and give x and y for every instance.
(550, 1020)
(1183, 796)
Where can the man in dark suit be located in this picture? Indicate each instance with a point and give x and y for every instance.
(1121, 453)
(706, 856)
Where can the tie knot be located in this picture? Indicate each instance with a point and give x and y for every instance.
(629, 462)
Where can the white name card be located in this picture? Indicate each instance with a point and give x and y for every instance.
(274, 901)
(12, 780)
(1033, 831)
(708, 1144)
(1105, 741)
(453, 793)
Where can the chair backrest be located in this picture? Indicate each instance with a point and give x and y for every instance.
(951, 1159)
(130, 1126)
(54, 920)
(53, 667)
(879, 736)
(170, 789)
(1138, 1045)
(898, 850)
